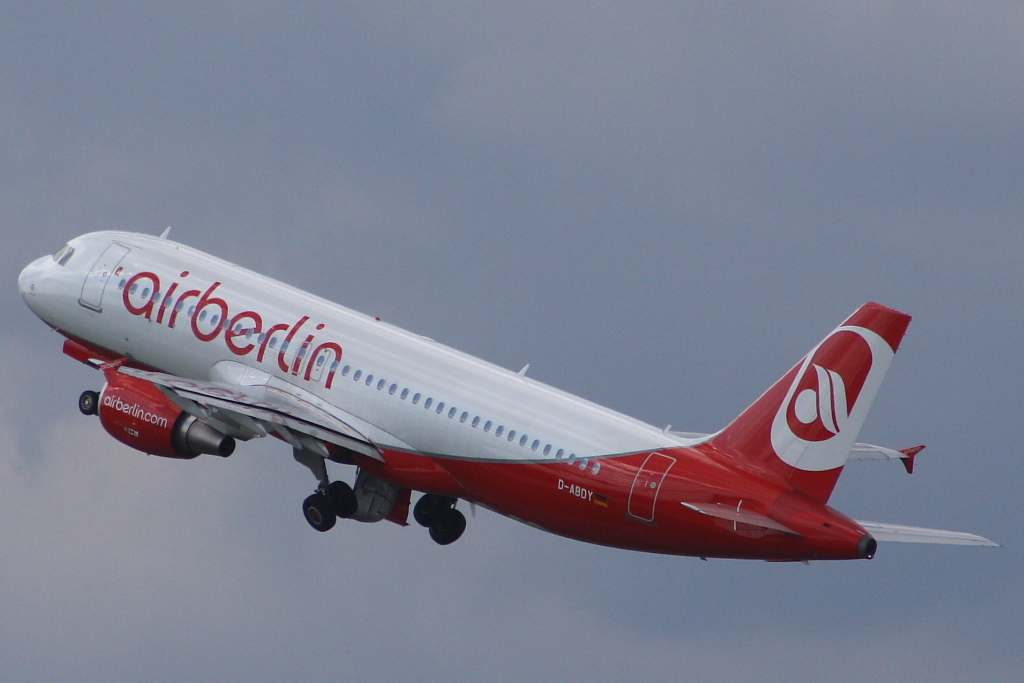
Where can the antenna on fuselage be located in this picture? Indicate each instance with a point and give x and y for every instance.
(522, 373)
(165, 233)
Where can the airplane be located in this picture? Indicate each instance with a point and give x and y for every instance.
(198, 353)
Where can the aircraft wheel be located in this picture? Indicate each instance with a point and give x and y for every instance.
(319, 512)
(343, 499)
(430, 508)
(89, 403)
(449, 528)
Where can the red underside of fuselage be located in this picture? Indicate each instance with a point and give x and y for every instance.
(636, 502)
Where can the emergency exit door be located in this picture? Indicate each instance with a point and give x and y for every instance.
(643, 496)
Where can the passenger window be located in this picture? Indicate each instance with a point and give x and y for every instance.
(547, 449)
(121, 284)
(415, 398)
(344, 370)
(499, 430)
(572, 458)
(320, 360)
(451, 413)
(202, 316)
(191, 311)
(135, 288)
(405, 392)
(369, 380)
(583, 464)
(426, 404)
(596, 468)
(511, 434)
(462, 418)
(535, 445)
(355, 377)
(440, 407)
(487, 426)
(380, 385)
(560, 453)
(476, 421)
(392, 389)
(522, 440)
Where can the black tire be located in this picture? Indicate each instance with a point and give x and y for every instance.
(89, 403)
(343, 499)
(319, 512)
(449, 528)
(431, 508)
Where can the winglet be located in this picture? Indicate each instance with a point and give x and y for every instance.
(908, 457)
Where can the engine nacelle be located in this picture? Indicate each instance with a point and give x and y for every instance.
(137, 413)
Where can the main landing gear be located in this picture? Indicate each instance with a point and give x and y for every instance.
(439, 515)
(323, 508)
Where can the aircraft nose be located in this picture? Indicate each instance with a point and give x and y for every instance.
(27, 280)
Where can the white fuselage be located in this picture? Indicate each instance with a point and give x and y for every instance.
(145, 312)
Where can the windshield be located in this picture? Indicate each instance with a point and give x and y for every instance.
(63, 255)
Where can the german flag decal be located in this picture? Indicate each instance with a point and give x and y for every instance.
(600, 500)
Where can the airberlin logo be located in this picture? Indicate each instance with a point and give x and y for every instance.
(828, 387)
(818, 420)
(134, 410)
(244, 333)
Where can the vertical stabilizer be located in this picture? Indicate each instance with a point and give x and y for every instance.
(804, 426)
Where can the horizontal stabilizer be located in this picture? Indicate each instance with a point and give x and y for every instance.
(866, 451)
(897, 533)
(738, 515)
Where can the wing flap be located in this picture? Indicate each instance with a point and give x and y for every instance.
(899, 533)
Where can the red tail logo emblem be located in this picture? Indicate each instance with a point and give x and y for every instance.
(826, 392)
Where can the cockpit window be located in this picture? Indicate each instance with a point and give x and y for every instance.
(64, 254)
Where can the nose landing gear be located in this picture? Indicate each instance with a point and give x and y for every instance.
(89, 403)
(439, 515)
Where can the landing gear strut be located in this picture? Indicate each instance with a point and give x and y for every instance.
(439, 515)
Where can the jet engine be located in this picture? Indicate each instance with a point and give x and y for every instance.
(137, 413)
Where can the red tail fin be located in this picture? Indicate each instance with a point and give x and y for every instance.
(805, 425)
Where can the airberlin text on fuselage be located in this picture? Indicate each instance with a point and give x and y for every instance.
(238, 329)
(135, 410)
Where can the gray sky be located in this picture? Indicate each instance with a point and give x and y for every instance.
(659, 206)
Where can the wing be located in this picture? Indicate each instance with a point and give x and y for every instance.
(257, 404)
(898, 533)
